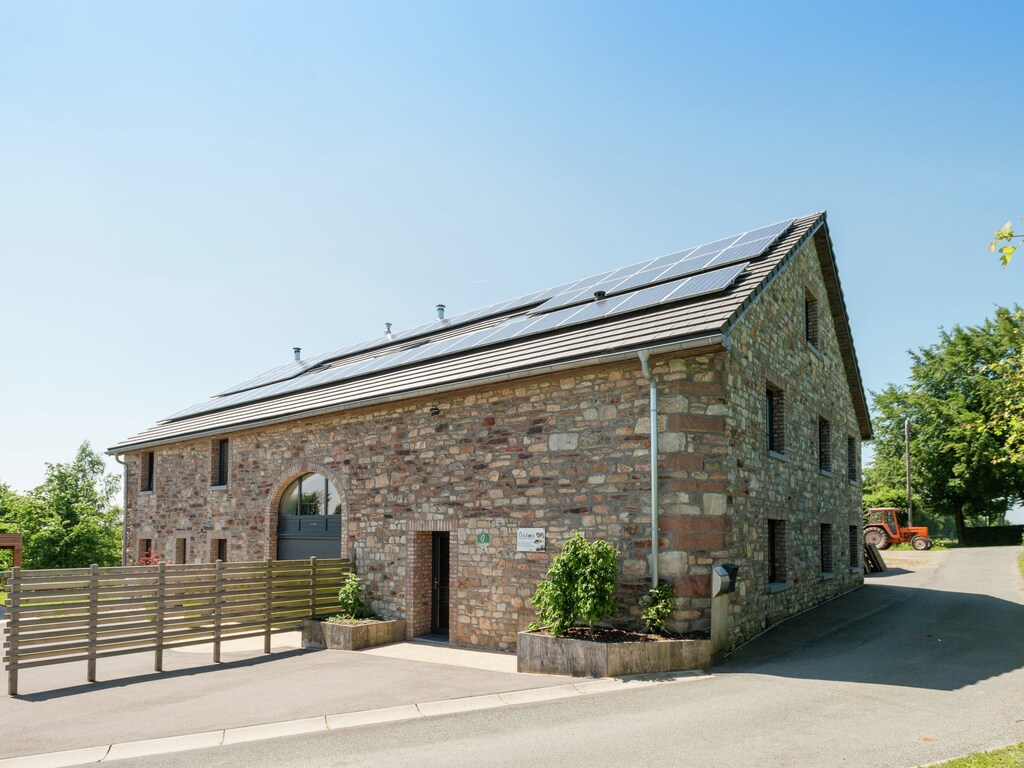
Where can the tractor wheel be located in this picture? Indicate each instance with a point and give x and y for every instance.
(921, 543)
(876, 536)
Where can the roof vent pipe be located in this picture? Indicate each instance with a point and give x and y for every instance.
(298, 353)
(387, 331)
(598, 295)
(440, 311)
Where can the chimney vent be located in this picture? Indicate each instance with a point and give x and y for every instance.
(598, 295)
(298, 353)
(387, 331)
(440, 311)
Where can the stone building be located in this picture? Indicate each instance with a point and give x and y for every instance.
(451, 461)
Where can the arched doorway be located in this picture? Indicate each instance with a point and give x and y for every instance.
(309, 519)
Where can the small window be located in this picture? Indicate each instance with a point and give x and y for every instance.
(774, 418)
(855, 546)
(180, 551)
(147, 465)
(219, 463)
(811, 320)
(219, 550)
(826, 547)
(852, 465)
(824, 445)
(144, 552)
(776, 551)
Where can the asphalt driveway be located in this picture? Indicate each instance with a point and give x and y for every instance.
(925, 662)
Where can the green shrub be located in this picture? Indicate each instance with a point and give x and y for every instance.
(351, 598)
(657, 606)
(580, 585)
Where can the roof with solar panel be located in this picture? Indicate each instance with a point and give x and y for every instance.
(688, 298)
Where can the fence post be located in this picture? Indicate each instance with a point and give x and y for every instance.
(158, 664)
(13, 605)
(268, 607)
(312, 587)
(94, 607)
(218, 599)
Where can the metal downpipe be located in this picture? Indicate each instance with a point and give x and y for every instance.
(124, 510)
(645, 356)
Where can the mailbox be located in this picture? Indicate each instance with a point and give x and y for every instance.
(723, 579)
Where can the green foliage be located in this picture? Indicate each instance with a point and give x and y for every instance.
(69, 521)
(657, 606)
(1005, 235)
(956, 389)
(580, 585)
(350, 596)
(1007, 757)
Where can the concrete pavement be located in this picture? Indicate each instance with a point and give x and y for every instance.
(923, 663)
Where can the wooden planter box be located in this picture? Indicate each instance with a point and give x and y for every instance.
(543, 654)
(351, 637)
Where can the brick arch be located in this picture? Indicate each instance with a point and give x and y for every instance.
(284, 479)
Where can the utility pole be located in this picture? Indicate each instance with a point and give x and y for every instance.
(910, 503)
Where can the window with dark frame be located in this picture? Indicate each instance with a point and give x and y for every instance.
(851, 459)
(811, 319)
(180, 551)
(824, 445)
(147, 465)
(219, 550)
(774, 418)
(826, 547)
(776, 551)
(855, 546)
(144, 550)
(221, 459)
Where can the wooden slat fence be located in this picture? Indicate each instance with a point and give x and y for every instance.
(85, 614)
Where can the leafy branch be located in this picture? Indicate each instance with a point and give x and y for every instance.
(1005, 235)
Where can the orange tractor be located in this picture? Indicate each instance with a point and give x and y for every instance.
(882, 528)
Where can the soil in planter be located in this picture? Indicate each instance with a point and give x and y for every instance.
(612, 635)
(339, 619)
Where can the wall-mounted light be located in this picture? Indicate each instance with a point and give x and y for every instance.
(434, 410)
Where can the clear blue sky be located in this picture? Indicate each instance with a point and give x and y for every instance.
(189, 189)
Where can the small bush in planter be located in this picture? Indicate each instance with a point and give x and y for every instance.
(657, 606)
(350, 596)
(580, 586)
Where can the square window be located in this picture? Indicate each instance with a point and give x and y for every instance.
(146, 467)
(811, 319)
(774, 418)
(776, 551)
(826, 547)
(855, 546)
(219, 550)
(219, 460)
(824, 445)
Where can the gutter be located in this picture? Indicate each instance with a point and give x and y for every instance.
(124, 511)
(710, 341)
(645, 357)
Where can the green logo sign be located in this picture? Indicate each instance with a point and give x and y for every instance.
(483, 539)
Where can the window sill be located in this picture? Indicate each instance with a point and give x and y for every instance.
(826, 575)
(145, 493)
(814, 349)
(777, 586)
(855, 569)
(826, 472)
(218, 487)
(779, 456)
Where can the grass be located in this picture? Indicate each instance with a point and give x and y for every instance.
(936, 544)
(3, 597)
(1007, 757)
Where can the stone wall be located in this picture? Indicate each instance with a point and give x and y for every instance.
(769, 348)
(561, 452)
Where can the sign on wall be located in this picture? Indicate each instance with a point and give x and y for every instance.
(530, 540)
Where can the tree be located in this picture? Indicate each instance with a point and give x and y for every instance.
(1005, 235)
(580, 585)
(70, 521)
(952, 398)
